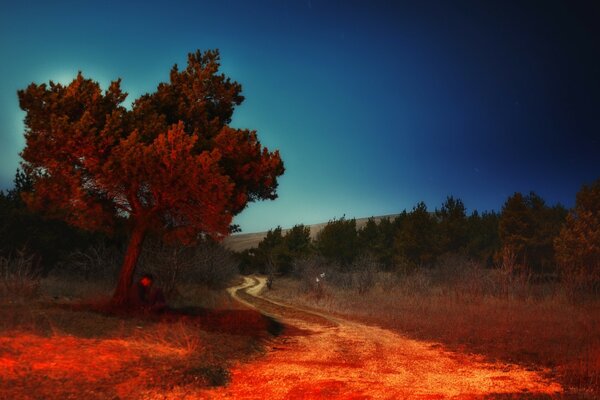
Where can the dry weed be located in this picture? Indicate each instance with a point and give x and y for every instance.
(19, 277)
(468, 308)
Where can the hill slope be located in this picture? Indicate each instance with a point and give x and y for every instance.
(243, 241)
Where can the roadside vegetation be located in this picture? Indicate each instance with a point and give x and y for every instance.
(522, 285)
(59, 339)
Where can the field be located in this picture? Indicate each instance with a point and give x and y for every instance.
(457, 330)
(531, 325)
(58, 347)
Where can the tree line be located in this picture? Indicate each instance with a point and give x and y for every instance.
(171, 168)
(531, 235)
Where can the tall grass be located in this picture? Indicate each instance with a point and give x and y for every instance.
(500, 313)
(19, 277)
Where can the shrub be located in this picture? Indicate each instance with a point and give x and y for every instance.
(313, 272)
(213, 265)
(99, 262)
(365, 268)
(208, 264)
(19, 277)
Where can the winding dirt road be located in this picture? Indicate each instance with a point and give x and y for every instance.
(319, 356)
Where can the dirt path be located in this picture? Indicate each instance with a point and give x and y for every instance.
(319, 356)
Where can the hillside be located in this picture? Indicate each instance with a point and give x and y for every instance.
(243, 241)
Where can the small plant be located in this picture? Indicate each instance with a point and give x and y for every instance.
(365, 267)
(19, 276)
(97, 262)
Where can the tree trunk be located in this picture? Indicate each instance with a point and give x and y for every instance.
(121, 297)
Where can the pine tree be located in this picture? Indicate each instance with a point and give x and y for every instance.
(578, 244)
(452, 225)
(338, 240)
(170, 165)
(416, 242)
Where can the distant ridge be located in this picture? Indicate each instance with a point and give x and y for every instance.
(243, 241)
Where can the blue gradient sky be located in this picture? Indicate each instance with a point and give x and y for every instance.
(373, 105)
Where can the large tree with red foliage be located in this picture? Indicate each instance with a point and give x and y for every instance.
(169, 165)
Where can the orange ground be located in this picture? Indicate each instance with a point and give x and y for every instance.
(317, 356)
(348, 360)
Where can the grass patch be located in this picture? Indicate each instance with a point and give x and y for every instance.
(535, 326)
(62, 345)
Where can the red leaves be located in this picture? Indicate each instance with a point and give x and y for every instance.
(253, 169)
(170, 164)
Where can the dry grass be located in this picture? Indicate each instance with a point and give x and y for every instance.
(19, 277)
(63, 346)
(503, 318)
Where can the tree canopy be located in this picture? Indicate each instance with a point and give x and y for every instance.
(578, 244)
(170, 164)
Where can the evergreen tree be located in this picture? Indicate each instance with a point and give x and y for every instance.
(271, 253)
(516, 227)
(338, 241)
(452, 225)
(482, 236)
(369, 237)
(297, 241)
(578, 244)
(171, 165)
(527, 228)
(387, 230)
(416, 240)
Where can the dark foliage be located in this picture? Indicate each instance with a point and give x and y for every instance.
(338, 240)
(47, 241)
(578, 244)
(527, 228)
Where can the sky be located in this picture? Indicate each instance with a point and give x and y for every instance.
(374, 105)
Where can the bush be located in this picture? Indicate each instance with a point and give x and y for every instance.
(213, 266)
(312, 272)
(19, 277)
(365, 269)
(208, 264)
(99, 262)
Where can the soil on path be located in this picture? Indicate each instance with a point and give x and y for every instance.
(329, 357)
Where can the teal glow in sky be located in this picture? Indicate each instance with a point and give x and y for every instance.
(373, 105)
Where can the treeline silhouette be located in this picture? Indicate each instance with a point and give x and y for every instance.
(546, 241)
(528, 234)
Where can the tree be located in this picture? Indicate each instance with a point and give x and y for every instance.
(169, 165)
(578, 244)
(377, 239)
(271, 253)
(452, 225)
(415, 241)
(515, 227)
(482, 236)
(276, 251)
(297, 241)
(527, 228)
(337, 241)
(368, 236)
